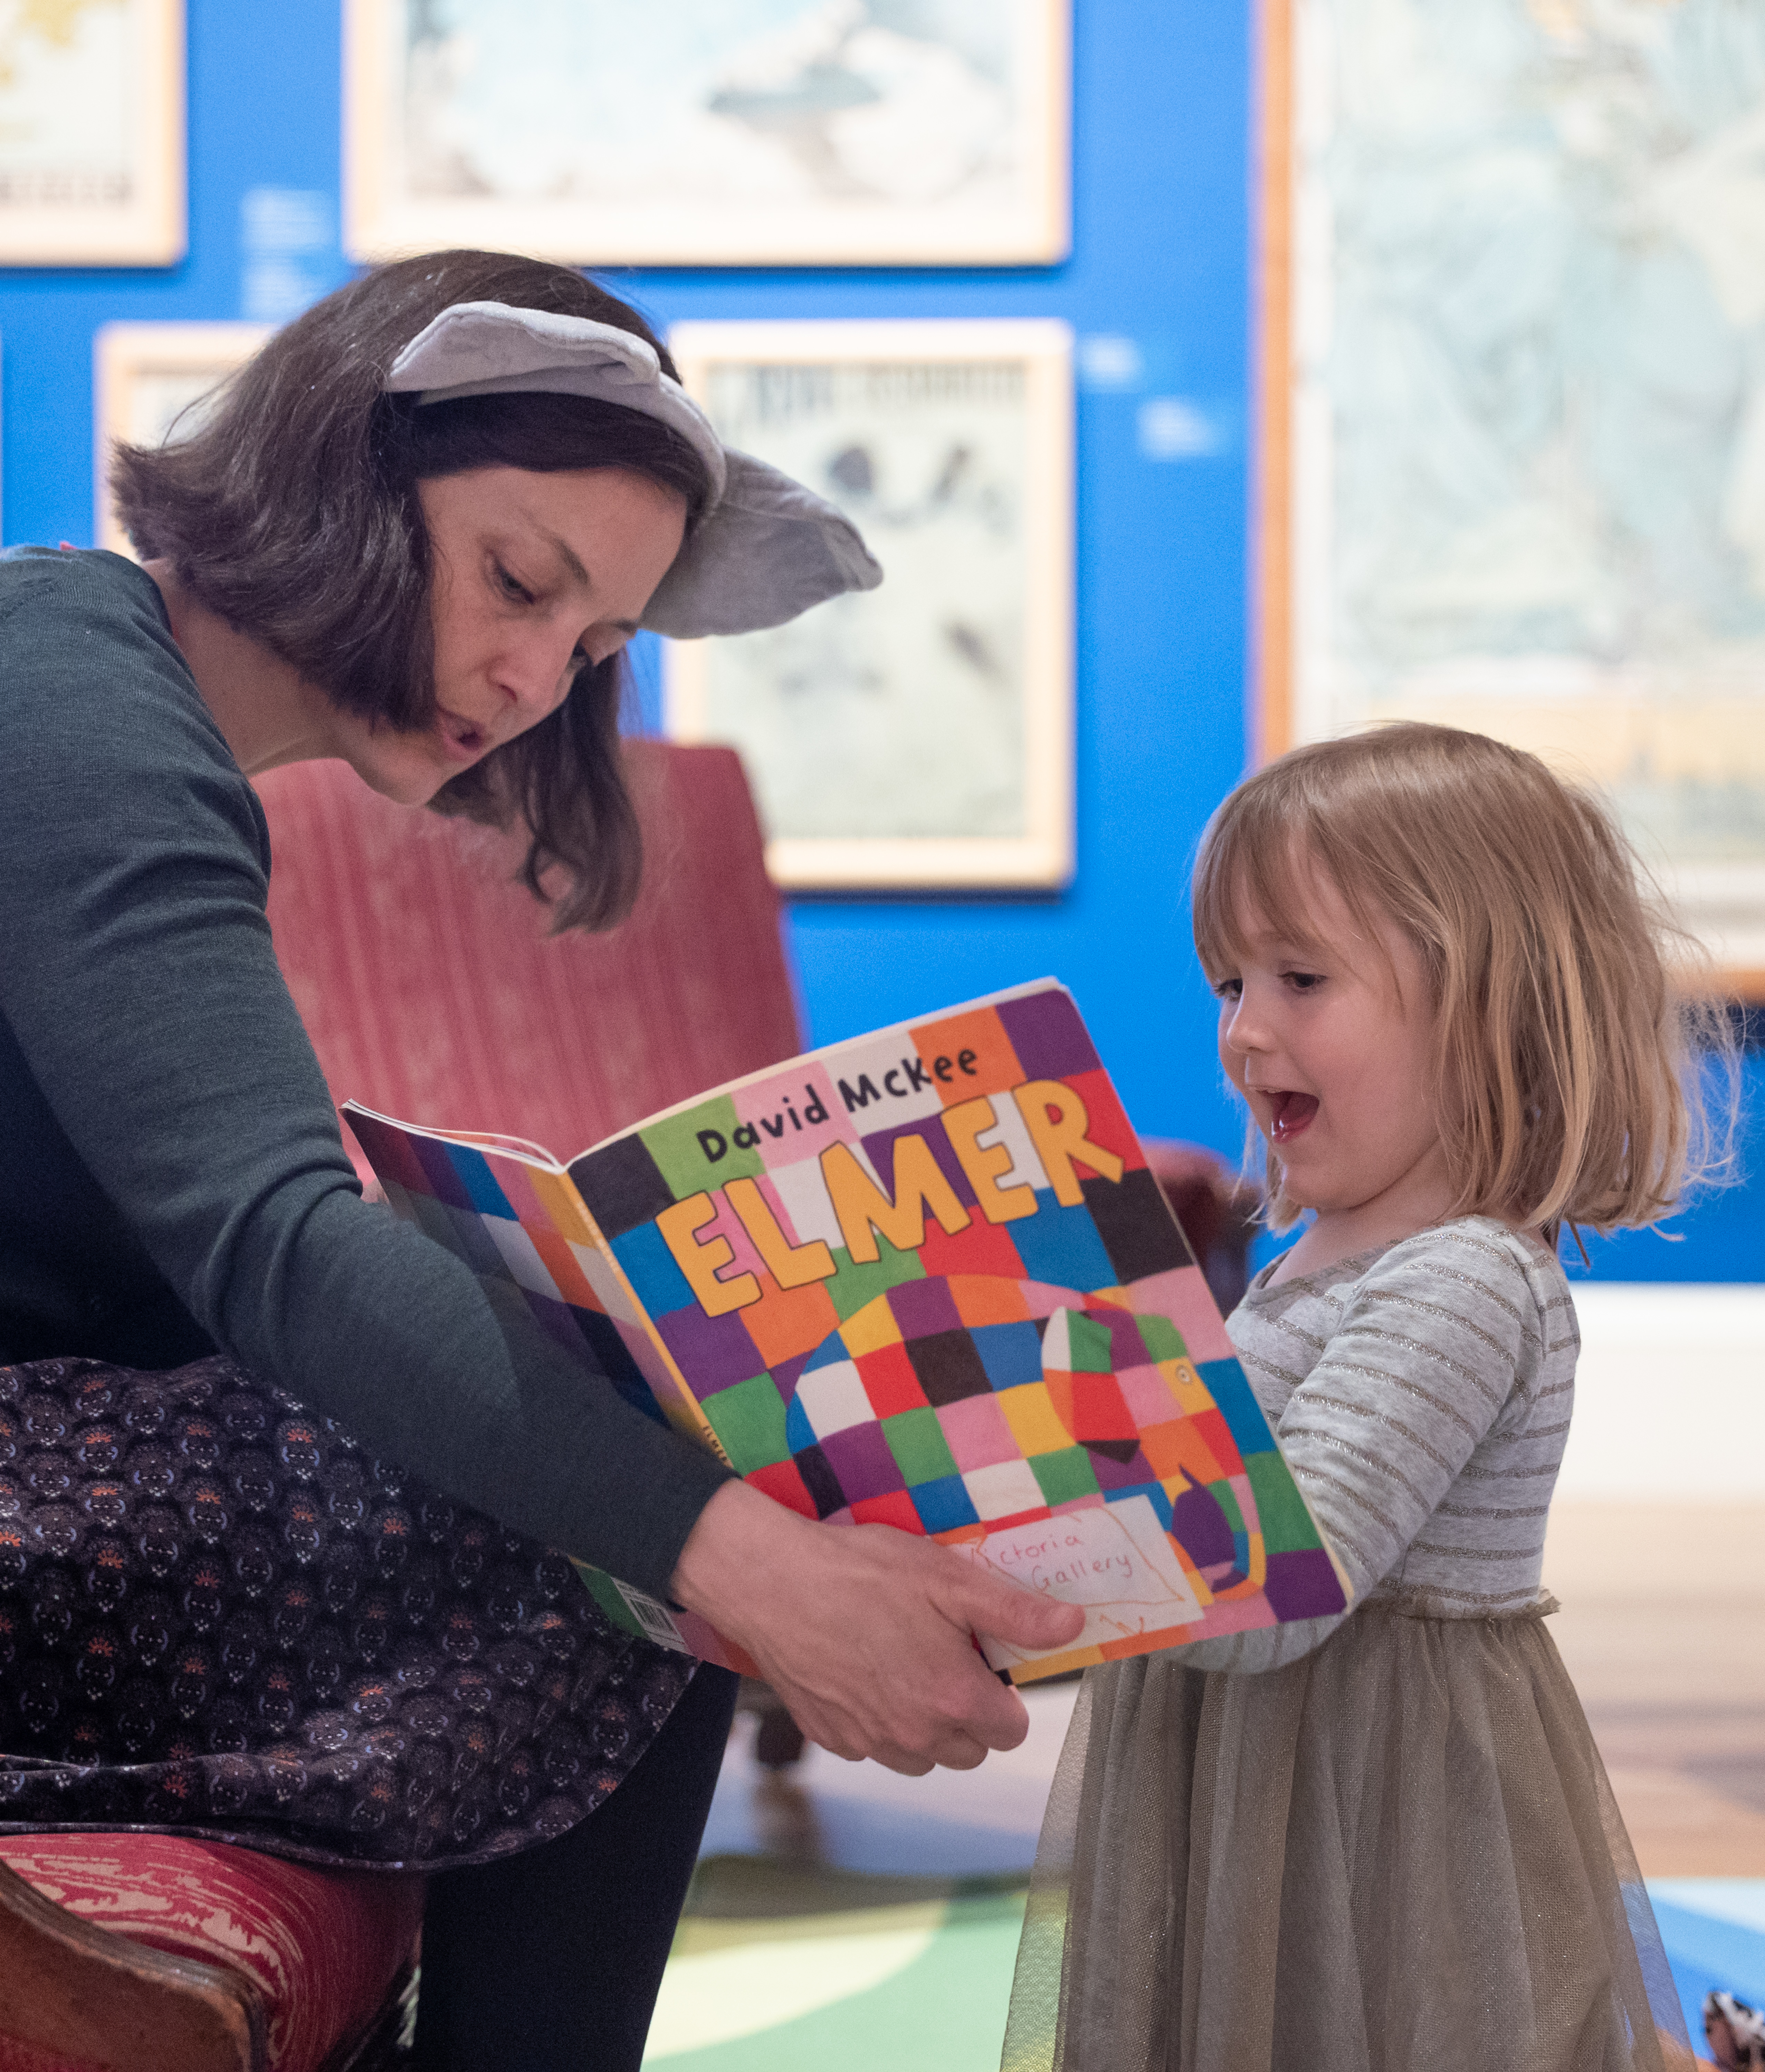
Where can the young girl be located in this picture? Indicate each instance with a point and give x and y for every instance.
(1384, 1842)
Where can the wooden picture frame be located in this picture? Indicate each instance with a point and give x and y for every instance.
(853, 144)
(91, 136)
(146, 377)
(1457, 473)
(919, 735)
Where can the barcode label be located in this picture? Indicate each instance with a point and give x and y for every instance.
(653, 1616)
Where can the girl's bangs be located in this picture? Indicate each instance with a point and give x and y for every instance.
(1254, 868)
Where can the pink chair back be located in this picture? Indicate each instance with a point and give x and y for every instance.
(432, 992)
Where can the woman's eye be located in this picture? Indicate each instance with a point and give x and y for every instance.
(515, 591)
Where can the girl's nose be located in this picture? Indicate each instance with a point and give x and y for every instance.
(1243, 1030)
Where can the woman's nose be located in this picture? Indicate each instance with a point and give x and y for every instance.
(537, 684)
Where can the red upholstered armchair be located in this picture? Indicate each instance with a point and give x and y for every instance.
(151, 1953)
(432, 992)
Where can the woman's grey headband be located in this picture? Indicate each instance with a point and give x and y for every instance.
(766, 549)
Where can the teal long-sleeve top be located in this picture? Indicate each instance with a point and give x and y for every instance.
(172, 1179)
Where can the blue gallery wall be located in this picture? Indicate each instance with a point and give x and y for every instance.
(1157, 291)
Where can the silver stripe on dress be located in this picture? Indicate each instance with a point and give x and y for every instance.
(1373, 1417)
(1432, 1352)
(1449, 1411)
(1327, 1437)
(1436, 1309)
(1442, 1272)
(1477, 1553)
(1314, 1472)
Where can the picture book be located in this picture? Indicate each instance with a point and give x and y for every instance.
(923, 1279)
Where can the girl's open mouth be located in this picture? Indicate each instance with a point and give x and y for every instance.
(1292, 1112)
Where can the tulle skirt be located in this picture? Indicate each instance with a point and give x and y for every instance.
(1400, 1852)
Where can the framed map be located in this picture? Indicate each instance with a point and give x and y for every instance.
(710, 132)
(150, 383)
(92, 133)
(1513, 402)
(920, 734)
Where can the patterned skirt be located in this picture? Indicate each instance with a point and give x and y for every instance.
(220, 1617)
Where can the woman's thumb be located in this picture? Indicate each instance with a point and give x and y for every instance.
(1026, 1618)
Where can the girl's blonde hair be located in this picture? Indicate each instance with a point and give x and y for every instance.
(1568, 1034)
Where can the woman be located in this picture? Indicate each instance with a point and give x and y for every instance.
(278, 1475)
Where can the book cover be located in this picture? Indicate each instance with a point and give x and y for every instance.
(921, 1279)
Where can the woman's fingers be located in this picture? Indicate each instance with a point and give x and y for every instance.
(1009, 1613)
(915, 1696)
(853, 1742)
(865, 1632)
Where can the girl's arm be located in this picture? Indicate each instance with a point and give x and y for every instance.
(1416, 1374)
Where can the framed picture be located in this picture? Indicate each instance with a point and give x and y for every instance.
(150, 381)
(919, 734)
(714, 132)
(1513, 404)
(91, 134)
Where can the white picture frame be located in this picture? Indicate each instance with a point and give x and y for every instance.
(717, 132)
(919, 735)
(92, 135)
(148, 380)
(1511, 471)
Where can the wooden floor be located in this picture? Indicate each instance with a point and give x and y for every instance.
(1663, 1628)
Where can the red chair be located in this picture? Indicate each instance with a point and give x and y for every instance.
(153, 1953)
(1217, 1207)
(432, 992)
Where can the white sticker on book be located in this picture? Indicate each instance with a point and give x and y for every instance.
(653, 1616)
(1115, 1560)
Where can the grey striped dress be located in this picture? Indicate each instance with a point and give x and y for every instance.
(1384, 1841)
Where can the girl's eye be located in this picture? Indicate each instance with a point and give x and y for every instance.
(1302, 981)
(1228, 988)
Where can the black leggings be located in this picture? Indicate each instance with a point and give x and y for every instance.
(551, 1960)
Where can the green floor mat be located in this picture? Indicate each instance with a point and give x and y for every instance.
(782, 1968)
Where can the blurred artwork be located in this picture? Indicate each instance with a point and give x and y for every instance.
(154, 382)
(92, 133)
(1527, 433)
(919, 733)
(713, 132)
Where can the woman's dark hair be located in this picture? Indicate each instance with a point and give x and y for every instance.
(292, 514)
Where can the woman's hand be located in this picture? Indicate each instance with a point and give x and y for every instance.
(865, 1631)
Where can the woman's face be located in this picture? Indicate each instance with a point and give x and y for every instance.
(536, 576)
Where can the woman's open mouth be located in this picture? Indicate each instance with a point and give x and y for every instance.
(466, 741)
(1292, 1113)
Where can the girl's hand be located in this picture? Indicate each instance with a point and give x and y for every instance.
(865, 1631)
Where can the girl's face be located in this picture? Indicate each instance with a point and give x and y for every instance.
(1336, 1060)
(536, 576)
